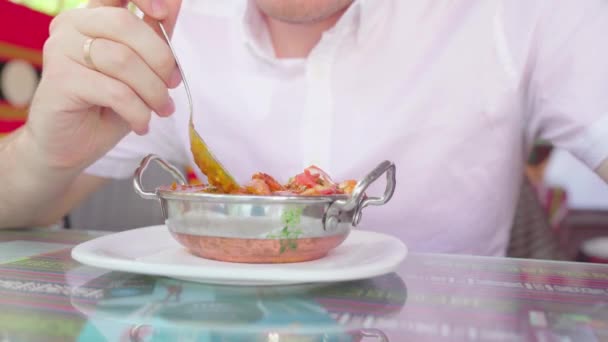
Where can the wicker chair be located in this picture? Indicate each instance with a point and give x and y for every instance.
(532, 235)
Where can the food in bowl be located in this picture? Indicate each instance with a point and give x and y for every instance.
(265, 221)
(313, 181)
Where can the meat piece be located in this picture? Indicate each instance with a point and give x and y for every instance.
(271, 182)
(257, 187)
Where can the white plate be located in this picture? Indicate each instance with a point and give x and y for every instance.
(152, 250)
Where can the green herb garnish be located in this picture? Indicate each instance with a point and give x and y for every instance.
(289, 234)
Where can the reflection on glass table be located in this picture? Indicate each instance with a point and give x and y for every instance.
(139, 307)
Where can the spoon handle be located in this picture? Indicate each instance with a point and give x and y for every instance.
(216, 173)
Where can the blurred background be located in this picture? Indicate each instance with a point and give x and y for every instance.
(50, 7)
(562, 211)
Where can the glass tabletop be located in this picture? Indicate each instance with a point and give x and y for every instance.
(47, 296)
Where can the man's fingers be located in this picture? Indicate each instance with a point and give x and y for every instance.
(121, 63)
(100, 90)
(130, 31)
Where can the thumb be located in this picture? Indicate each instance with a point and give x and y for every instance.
(173, 7)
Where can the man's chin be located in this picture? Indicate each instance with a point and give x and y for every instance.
(302, 12)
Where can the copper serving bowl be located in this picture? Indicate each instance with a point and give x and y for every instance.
(261, 229)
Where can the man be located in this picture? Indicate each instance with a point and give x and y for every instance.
(454, 92)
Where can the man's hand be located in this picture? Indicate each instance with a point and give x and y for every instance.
(85, 105)
(82, 108)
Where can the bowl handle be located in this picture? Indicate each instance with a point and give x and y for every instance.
(144, 165)
(358, 200)
(377, 334)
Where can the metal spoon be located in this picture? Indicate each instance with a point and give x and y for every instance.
(216, 173)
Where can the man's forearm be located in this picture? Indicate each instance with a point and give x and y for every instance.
(30, 189)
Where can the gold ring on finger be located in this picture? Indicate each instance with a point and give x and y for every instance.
(87, 53)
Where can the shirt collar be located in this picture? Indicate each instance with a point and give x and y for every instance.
(254, 32)
(360, 19)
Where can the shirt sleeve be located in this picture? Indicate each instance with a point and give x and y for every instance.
(162, 140)
(568, 85)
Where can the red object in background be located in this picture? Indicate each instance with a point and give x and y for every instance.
(22, 35)
(23, 27)
(7, 126)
